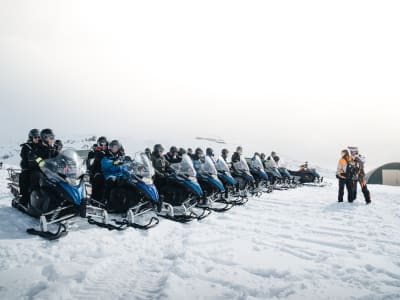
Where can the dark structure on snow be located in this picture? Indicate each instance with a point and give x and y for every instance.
(388, 174)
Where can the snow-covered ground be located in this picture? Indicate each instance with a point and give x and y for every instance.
(296, 244)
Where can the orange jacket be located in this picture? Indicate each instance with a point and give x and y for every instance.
(341, 168)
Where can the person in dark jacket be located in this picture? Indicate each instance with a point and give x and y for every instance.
(172, 155)
(360, 162)
(160, 165)
(94, 166)
(113, 170)
(224, 154)
(58, 145)
(26, 167)
(44, 150)
(190, 152)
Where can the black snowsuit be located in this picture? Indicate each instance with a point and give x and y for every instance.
(96, 178)
(43, 152)
(26, 171)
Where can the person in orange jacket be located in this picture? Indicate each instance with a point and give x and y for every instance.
(345, 175)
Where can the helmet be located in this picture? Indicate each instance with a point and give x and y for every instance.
(33, 133)
(256, 154)
(239, 149)
(115, 143)
(181, 151)
(273, 153)
(225, 151)
(198, 151)
(58, 143)
(46, 135)
(147, 150)
(276, 158)
(189, 150)
(158, 147)
(262, 155)
(209, 152)
(173, 149)
(102, 141)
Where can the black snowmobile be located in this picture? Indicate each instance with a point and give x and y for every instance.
(60, 197)
(135, 197)
(182, 193)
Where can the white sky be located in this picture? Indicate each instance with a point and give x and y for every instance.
(304, 78)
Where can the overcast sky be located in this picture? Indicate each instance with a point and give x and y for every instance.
(304, 78)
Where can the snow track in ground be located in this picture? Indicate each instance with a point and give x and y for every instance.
(295, 244)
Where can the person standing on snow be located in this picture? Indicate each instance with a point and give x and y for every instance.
(359, 161)
(345, 174)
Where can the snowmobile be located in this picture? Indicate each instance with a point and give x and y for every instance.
(241, 172)
(308, 177)
(213, 188)
(182, 193)
(262, 183)
(231, 195)
(135, 197)
(61, 195)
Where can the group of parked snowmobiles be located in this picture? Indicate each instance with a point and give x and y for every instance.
(116, 191)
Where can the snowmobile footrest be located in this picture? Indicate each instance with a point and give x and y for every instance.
(61, 232)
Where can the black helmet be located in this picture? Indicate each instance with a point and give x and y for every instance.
(198, 151)
(181, 151)
(209, 152)
(273, 153)
(190, 151)
(225, 151)
(46, 135)
(262, 155)
(115, 143)
(256, 154)
(173, 149)
(158, 147)
(239, 149)
(102, 141)
(33, 133)
(58, 143)
(147, 151)
(276, 158)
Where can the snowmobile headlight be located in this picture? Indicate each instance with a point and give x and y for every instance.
(147, 180)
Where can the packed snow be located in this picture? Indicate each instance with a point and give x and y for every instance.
(294, 244)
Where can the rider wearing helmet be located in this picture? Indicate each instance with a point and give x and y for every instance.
(58, 145)
(172, 155)
(160, 165)
(112, 167)
(26, 168)
(44, 150)
(94, 166)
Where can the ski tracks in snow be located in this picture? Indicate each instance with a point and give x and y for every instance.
(295, 244)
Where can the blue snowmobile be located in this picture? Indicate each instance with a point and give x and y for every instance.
(213, 188)
(182, 193)
(134, 196)
(60, 197)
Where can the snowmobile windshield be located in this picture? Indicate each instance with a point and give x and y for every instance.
(184, 167)
(221, 165)
(256, 163)
(68, 165)
(208, 167)
(242, 165)
(141, 167)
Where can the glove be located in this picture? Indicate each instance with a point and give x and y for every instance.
(40, 161)
(117, 162)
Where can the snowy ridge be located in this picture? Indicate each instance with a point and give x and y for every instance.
(297, 244)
